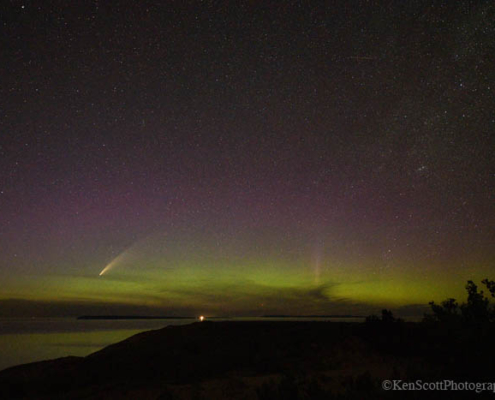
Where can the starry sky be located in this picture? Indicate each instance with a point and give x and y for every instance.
(244, 158)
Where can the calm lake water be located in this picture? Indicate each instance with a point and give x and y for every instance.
(36, 339)
(28, 340)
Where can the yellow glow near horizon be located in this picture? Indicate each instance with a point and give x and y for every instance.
(206, 282)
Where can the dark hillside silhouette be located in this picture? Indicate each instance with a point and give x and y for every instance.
(277, 359)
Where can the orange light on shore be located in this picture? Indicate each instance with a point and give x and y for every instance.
(201, 318)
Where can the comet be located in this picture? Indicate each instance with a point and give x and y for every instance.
(109, 265)
(127, 255)
(114, 262)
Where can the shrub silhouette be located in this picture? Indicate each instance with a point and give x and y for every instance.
(387, 318)
(447, 311)
(475, 310)
(490, 285)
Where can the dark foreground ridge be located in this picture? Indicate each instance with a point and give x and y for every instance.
(265, 360)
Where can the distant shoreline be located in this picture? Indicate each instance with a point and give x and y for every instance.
(312, 316)
(127, 317)
(130, 317)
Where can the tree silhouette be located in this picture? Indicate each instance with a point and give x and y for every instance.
(447, 311)
(490, 285)
(475, 310)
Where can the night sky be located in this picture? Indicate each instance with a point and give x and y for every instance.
(244, 158)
